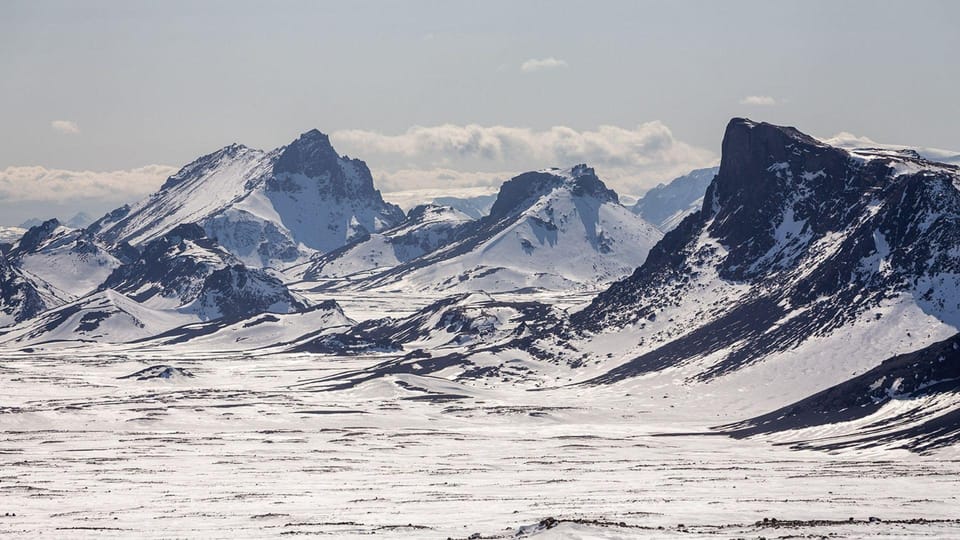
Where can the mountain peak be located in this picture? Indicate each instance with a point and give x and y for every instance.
(204, 163)
(314, 134)
(520, 191)
(37, 234)
(746, 131)
(310, 154)
(584, 182)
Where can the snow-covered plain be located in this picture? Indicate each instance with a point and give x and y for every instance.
(249, 448)
(176, 400)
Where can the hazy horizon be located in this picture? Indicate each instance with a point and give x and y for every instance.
(102, 100)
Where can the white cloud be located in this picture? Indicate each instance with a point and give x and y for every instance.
(539, 64)
(762, 101)
(449, 156)
(630, 159)
(392, 181)
(850, 141)
(65, 126)
(35, 183)
(411, 198)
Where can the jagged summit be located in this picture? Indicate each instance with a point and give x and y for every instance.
(310, 154)
(266, 208)
(37, 234)
(519, 192)
(552, 229)
(797, 241)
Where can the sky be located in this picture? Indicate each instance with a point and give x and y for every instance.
(101, 100)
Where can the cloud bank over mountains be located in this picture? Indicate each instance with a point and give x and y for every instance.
(630, 159)
(38, 192)
(446, 156)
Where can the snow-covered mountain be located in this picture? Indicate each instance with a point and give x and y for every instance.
(104, 317)
(266, 208)
(183, 277)
(184, 270)
(264, 330)
(64, 263)
(79, 220)
(805, 268)
(19, 298)
(427, 228)
(667, 204)
(463, 332)
(472, 201)
(807, 263)
(551, 229)
(476, 207)
(805, 258)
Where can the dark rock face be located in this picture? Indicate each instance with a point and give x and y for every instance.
(186, 265)
(32, 239)
(311, 155)
(762, 176)
(111, 217)
(931, 371)
(519, 192)
(237, 292)
(19, 299)
(810, 229)
(166, 268)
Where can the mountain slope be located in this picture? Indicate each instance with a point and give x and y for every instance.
(259, 331)
(427, 228)
(65, 263)
(266, 208)
(186, 271)
(666, 205)
(552, 229)
(799, 246)
(909, 401)
(19, 297)
(103, 317)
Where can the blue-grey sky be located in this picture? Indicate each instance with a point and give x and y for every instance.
(100, 99)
